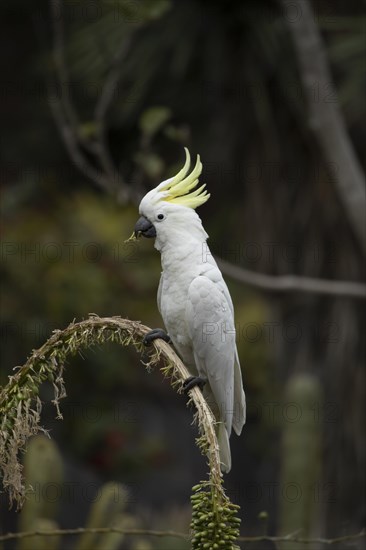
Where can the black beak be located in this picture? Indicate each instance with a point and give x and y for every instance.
(145, 227)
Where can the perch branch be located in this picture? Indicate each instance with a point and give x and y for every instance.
(20, 409)
(21, 418)
(325, 117)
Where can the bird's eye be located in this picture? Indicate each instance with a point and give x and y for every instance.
(160, 216)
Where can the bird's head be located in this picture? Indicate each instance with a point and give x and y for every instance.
(170, 207)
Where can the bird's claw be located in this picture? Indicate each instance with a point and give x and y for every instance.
(154, 335)
(192, 382)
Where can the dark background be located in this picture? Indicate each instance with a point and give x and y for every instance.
(223, 79)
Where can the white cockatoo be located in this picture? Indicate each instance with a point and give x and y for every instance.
(194, 300)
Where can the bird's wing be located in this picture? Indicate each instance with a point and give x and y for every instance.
(239, 416)
(213, 272)
(211, 326)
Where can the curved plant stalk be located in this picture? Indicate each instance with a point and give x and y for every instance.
(214, 520)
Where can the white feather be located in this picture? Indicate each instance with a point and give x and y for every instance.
(198, 313)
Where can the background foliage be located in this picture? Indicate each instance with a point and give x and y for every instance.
(222, 79)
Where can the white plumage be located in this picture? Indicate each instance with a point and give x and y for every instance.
(194, 300)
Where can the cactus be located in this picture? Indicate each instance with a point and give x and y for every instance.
(41, 542)
(105, 512)
(300, 455)
(112, 541)
(44, 474)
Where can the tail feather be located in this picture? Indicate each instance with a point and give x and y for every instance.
(239, 413)
(224, 447)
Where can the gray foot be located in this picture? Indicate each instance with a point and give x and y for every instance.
(154, 335)
(192, 382)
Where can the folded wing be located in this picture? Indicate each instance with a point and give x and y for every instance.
(211, 327)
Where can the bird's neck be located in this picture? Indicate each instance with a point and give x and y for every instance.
(183, 251)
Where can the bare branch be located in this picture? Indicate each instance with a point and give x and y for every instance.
(102, 106)
(175, 534)
(325, 117)
(59, 60)
(73, 147)
(300, 540)
(108, 177)
(62, 72)
(293, 283)
(94, 530)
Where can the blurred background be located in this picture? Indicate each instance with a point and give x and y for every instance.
(98, 100)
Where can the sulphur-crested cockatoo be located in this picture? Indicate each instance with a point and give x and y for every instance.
(194, 300)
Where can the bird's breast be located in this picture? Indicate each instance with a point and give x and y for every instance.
(174, 294)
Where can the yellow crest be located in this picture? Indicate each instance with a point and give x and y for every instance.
(180, 189)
